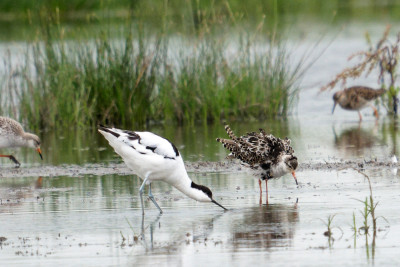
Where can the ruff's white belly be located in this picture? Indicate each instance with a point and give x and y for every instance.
(6, 142)
(276, 171)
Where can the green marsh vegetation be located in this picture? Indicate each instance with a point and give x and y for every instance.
(369, 217)
(329, 232)
(138, 75)
(368, 225)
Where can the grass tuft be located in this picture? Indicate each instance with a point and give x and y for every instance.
(151, 78)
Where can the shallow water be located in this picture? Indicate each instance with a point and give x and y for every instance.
(71, 220)
(94, 218)
(82, 217)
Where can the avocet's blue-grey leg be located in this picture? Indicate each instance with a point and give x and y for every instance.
(154, 201)
(141, 189)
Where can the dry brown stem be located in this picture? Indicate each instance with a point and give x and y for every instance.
(383, 56)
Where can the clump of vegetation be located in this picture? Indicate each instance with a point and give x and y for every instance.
(368, 215)
(368, 225)
(143, 78)
(382, 57)
(369, 208)
(328, 233)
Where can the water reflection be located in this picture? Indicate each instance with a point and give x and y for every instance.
(39, 183)
(390, 131)
(15, 192)
(174, 232)
(265, 227)
(149, 245)
(354, 140)
(259, 227)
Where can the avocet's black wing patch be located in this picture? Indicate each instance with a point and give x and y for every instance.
(174, 147)
(152, 148)
(108, 130)
(145, 142)
(156, 144)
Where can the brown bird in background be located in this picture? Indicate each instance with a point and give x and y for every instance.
(356, 98)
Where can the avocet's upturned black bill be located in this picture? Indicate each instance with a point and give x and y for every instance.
(154, 158)
(13, 135)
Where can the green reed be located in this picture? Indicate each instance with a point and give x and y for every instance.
(151, 77)
(329, 232)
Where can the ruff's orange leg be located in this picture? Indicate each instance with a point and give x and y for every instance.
(375, 112)
(11, 157)
(259, 183)
(359, 114)
(266, 189)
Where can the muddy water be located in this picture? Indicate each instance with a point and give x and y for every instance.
(81, 206)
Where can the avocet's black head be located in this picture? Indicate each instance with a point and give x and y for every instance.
(205, 194)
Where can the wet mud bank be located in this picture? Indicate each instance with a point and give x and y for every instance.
(194, 167)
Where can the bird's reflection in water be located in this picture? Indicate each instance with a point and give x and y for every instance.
(151, 225)
(354, 141)
(39, 183)
(170, 237)
(265, 227)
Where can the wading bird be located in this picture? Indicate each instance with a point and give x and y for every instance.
(154, 158)
(264, 155)
(13, 135)
(356, 98)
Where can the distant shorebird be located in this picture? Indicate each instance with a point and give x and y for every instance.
(154, 158)
(263, 154)
(356, 98)
(13, 135)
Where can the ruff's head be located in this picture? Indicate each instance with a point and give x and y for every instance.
(203, 194)
(291, 162)
(33, 141)
(337, 99)
(287, 164)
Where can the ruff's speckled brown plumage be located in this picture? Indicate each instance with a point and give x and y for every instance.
(264, 154)
(356, 98)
